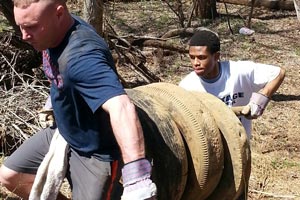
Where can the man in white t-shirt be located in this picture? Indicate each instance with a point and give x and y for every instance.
(236, 83)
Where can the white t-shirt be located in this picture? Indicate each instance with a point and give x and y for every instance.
(235, 84)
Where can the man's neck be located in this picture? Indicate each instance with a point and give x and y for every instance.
(66, 24)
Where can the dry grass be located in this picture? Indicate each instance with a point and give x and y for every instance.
(276, 142)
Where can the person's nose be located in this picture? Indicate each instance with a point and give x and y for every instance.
(196, 61)
(25, 35)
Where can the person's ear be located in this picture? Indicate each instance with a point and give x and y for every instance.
(217, 55)
(60, 11)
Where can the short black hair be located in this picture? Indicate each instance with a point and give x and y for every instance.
(207, 38)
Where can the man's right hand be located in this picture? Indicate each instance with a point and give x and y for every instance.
(45, 115)
(46, 118)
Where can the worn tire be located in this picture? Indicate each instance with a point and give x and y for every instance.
(164, 144)
(200, 133)
(237, 154)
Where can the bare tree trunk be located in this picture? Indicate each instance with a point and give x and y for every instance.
(250, 14)
(206, 9)
(272, 4)
(297, 8)
(177, 8)
(93, 14)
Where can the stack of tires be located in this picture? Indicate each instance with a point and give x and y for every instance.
(197, 145)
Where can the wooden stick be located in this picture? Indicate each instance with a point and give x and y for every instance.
(275, 195)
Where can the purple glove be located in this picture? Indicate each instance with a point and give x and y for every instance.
(257, 105)
(136, 181)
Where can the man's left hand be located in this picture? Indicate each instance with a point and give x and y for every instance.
(136, 181)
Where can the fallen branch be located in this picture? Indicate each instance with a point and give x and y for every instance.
(275, 195)
(182, 32)
(25, 136)
(165, 45)
(271, 4)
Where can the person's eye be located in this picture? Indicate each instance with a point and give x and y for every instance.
(202, 57)
(30, 27)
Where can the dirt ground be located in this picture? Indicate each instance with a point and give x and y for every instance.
(276, 141)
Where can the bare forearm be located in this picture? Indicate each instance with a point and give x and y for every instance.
(126, 127)
(128, 132)
(273, 85)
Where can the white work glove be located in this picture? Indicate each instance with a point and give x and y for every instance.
(136, 181)
(256, 106)
(45, 115)
(46, 118)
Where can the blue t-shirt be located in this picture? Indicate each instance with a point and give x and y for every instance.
(82, 74)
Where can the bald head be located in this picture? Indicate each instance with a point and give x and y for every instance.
(43, 23)
(26, 3)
